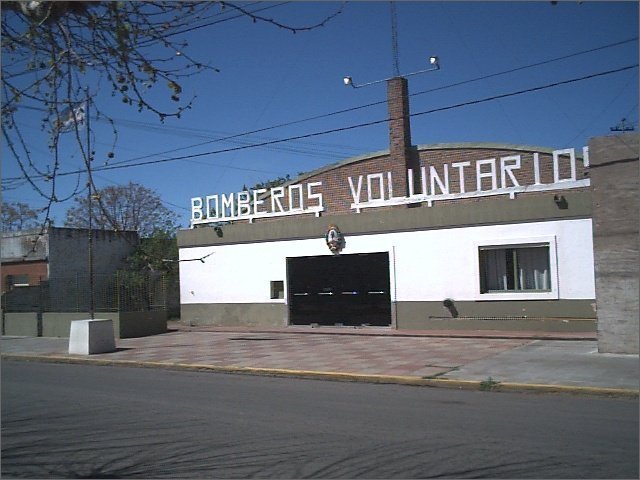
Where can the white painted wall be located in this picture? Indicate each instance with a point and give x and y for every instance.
(425, 266)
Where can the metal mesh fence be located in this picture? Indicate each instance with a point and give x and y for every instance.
(121, 292)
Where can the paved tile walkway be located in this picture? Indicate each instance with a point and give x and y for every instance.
(569, 360)
(358, 354)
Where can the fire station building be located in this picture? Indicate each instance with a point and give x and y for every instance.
(469, 235)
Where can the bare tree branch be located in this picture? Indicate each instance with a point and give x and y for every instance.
(53, 50)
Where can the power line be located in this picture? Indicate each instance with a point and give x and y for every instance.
(517, 69)
(352, 109)
(213, 135)
(528, 90)
(361, 125)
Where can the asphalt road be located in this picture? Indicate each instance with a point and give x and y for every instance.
(80, 421)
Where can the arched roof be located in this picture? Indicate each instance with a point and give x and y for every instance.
(424, 147)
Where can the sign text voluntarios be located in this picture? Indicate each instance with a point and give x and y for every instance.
(493, 176)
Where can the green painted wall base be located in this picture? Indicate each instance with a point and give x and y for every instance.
(125, 324)
(504, 324)
(552, 316)
(420, 311)
(539, 315)
(235, 314)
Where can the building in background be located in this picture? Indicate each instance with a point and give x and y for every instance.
(474, 235)
(31, 256)
(47, 284)
(616, 232)
(58, 256)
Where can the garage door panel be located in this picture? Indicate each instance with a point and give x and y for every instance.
(346, 289)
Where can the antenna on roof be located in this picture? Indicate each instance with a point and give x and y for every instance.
(623, 126)
(394, 39)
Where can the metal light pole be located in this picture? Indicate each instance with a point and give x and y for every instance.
(90, 200)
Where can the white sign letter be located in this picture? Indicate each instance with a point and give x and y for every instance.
(300, 199)
(556, 164)
(227, 202)
(444, 187)
(276, 194)
(390, 185)
(314, 196)
(410, 182)
(196, 208)
(585, 156)
(536, 168)
(356, 193)
(244, 203)
(490, 174)
(423, 180)
(507, 170)
(257, 202)
(212, 212)
(380, 178)
(460, 166)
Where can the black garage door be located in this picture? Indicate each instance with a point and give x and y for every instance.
(339, 289)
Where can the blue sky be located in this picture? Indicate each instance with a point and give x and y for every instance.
(269, 76)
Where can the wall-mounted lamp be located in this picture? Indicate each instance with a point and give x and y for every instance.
(449, 305)
(560, 201)
(434, 61)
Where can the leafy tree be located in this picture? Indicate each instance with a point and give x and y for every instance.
(18, 216)
(267, 184)
(151, 269)
(272, 183)
(120, 208)
(156, 253)
(52, 51)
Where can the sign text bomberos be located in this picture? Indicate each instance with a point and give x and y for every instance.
(494, 176)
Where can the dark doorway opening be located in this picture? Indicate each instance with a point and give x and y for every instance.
(350, 290)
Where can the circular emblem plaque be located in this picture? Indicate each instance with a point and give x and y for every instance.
(335, 240)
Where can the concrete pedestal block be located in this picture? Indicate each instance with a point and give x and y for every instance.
(91, 336)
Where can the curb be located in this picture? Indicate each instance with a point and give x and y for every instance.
(341, 376)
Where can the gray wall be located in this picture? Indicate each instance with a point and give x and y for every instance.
(20, 324)
(614, 181)
(125, 324)
(69, 251)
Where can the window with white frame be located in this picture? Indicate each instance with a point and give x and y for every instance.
(17, 281)
(277, 289)
(515, 268)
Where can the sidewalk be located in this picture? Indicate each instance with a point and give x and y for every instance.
(484, 360)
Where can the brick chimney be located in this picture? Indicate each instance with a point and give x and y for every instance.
(402, 154)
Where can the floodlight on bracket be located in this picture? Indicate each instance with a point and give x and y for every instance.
(433, 61)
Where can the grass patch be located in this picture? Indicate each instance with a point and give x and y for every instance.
(489, 384)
